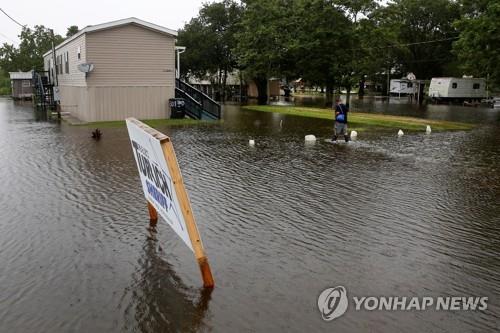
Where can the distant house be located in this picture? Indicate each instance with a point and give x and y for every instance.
(21, 85)
(208, 86)
(273, 89)
(115, 70)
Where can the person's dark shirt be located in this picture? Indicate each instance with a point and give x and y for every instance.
(341, 109)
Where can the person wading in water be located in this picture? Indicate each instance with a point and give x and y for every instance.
(340, 127)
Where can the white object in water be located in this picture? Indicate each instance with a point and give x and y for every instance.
(354, 134)
(281, 123)
(401, 133)
(251, 142)
(428, 130)
(310, 138)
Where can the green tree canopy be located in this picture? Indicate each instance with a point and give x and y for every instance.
(425, 34)
(29, 55)
(478, 48)
(72, 30)
(209, 39)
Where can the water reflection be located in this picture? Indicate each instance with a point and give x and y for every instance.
(160, 301)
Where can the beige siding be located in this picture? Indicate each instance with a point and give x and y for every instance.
(131, 56)
(118, 103)
(75, 100)
(75, 77)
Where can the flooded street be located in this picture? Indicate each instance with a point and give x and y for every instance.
(281, 221)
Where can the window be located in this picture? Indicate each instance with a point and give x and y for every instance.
(59, 64)
(409, 84)
(66, 63)
(26, 83)
(476, 86)
(79, 53)
(454, 85)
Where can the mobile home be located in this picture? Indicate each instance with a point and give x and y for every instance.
(458, 89)
(20, 83)
(402, 87)
(115, 70)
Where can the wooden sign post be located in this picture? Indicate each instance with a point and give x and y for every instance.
(164, 189)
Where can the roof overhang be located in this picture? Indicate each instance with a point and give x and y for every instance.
(21, 75)
(115, 24)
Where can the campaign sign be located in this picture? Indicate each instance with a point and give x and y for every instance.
(155, 176)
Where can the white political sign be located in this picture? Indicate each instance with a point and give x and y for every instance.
(155, 176)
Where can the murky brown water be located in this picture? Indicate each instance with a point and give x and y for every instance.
(416, 216)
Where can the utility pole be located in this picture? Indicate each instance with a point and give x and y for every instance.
(56, 81)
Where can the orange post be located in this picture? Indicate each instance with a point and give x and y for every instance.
(192, 229)
(153, 215)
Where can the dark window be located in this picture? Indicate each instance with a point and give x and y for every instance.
(79, 53)
(66, 64)
(409, 84)
(476, 86)
(454, 85)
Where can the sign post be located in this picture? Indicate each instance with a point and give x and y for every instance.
(164, 189)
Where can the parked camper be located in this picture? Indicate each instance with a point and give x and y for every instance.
(457, 89)
(21, 85)
(401, 87)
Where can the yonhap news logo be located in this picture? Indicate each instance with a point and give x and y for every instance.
(333, 303)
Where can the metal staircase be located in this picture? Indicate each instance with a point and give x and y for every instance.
(43, 92)
(198, 105)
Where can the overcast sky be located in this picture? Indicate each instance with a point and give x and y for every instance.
(60, 14)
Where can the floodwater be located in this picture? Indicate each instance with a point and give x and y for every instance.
(281, 221)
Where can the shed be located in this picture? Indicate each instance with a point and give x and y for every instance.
(20, 83)
(115, 70)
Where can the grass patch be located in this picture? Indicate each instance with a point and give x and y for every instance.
(360, 121)
(152, 123)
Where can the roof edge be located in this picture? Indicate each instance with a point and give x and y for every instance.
(113, 24)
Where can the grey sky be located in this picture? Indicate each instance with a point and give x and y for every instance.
(60, 14)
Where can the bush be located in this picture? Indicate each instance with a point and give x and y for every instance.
(4, 83)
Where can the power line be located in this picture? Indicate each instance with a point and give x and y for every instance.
(407, 44)
(7, 37)
(22, 26)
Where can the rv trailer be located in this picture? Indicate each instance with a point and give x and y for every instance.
(457, 89)
(402, 87)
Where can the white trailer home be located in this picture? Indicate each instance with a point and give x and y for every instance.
(402, 87)
(457, 89)
(115, 70)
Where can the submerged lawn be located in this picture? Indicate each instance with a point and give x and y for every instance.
(152, 123)
(360, 121)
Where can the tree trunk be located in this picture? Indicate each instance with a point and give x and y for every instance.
(348, 96)
(329, 94)
(361, 91)
(262, 90)
(224, 82)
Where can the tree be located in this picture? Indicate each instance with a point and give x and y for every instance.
(72, 30)
(210, 39)
(9, 56)
(322, 43)
(34, 43)
(425, 28)
(478, 47)
(263, 46)
(353, 10)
